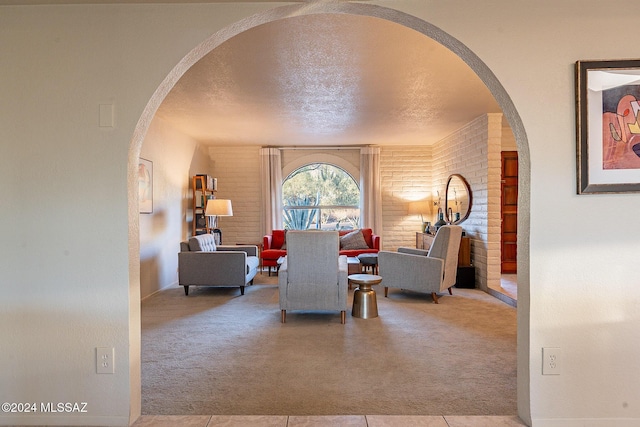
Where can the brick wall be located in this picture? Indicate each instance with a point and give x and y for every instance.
(406, 175)
(238, 171)
(508, 138)
(474, 152)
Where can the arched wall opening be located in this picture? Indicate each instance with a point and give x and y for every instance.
(429, 30)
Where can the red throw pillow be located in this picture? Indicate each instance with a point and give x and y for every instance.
(278, 239)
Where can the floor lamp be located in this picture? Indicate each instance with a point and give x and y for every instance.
(217, 208)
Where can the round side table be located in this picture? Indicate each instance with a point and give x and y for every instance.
(365, 305)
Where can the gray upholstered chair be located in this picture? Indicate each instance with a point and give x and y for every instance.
(431, 271)
(313, 276)
(202, 263)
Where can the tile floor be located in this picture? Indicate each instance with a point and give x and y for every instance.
(327, 421)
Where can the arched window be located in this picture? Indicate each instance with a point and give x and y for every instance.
(321, 196)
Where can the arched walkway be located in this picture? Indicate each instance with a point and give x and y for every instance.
(429, 30)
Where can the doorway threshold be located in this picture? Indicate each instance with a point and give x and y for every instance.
(507, 291)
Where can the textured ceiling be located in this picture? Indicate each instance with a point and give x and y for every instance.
(326, 80)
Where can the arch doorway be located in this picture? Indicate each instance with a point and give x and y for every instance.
(405, 20)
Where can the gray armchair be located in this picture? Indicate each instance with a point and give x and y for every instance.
(313, 275)
(431, 271)
(202, 263)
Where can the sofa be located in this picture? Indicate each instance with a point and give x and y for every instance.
(203, 263)
(352, 244)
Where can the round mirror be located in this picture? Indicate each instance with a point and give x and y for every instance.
(457, 199)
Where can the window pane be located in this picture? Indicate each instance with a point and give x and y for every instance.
(340, 219)
(324, 218)
(332, 195)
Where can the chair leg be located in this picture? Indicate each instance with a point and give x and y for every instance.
(386, 291)
(241, 290)
(186, 290)
(343, 317)
(283, 316)
(450, 292)
(435, 297)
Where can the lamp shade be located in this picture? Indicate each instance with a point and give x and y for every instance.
(218, 207)
(419, 207)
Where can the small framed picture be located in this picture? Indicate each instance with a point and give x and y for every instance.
(145, 186)
(608, 126)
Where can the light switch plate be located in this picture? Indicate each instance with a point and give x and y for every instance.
(106, 115)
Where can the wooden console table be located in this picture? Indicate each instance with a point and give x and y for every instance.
(424, 241)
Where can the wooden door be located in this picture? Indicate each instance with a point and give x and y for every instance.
(509, 212)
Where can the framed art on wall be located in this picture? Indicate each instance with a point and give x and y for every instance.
(145, 186)
(608, 126)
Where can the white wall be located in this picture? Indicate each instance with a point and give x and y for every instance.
(65, 272)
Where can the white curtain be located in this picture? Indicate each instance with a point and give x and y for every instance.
(370, 194)
(271, 170)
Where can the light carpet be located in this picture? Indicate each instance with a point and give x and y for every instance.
(216, 352)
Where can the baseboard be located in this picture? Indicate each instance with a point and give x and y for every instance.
(172, 285)
(502, 297)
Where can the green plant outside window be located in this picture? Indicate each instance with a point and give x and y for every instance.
(320, 196)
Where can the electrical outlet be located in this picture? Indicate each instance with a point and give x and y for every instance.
(551, 360)
(104, 360)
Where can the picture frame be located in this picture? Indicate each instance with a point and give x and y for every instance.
(145, 186)
(608, 126)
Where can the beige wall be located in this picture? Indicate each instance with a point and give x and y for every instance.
(176, 158)
(71, 278)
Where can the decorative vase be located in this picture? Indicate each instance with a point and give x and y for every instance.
(440, 222)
